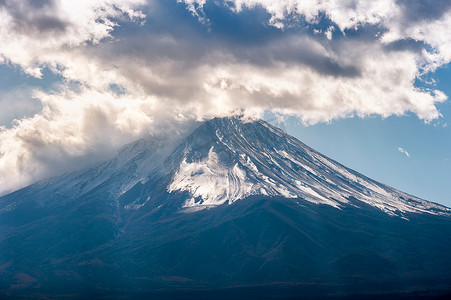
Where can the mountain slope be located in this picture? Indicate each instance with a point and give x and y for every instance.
(237, 203)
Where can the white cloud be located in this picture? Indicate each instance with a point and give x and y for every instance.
(346, 14)
(403, 151)
(390, 15)
(33, 34)
(317, 89)
(75, 129)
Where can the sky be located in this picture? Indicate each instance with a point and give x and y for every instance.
(364, 82)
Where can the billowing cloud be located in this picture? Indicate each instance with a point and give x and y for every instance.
(75, 129)
(34, 34)
(395, 20)
(130, 68)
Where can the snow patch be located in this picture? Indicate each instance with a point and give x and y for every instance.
(136, 204)
(210, 182)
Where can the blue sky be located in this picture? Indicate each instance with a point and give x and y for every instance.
(358, 80)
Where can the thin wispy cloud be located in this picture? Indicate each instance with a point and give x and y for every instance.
(178, 61)
(402, 150)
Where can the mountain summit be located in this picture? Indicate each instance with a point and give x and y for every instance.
(237, 202)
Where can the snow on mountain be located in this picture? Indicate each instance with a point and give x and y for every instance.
(131, 165)
(229, 159)
(112, 178)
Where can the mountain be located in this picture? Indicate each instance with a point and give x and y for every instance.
(238, 209)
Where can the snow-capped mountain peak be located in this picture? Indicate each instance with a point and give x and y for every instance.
(229, 159)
